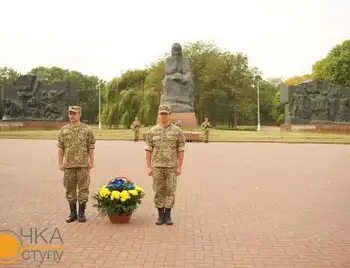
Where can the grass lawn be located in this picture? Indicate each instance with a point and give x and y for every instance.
(215, 135)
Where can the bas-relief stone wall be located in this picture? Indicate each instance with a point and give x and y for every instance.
(29, 99)
(315, 101)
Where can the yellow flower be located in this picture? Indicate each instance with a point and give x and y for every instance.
(139, 189)
(124, 192)
(104, 192)
(124, 198)
(124, 195)
(115, 195)
(133, 192)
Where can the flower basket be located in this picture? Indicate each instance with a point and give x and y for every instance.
(117, 218)
(118, 199)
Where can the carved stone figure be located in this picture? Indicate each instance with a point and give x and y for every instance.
(313, 105)
(26, 86)
(322, 108)
(332, 108)
(29, 99)
(52, 107)
(314, 101)
(343, 111)
(178, 87)
(300, 104)
(34, 106)
(13, 109)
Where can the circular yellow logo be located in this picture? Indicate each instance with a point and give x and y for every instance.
(10, 247)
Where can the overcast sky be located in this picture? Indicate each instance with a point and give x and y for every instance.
(107, 37)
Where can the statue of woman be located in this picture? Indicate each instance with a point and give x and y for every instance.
(178, 87)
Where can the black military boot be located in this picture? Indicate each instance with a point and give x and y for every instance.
(73, 213)
(167, 217)
(81, 214)
(160, 220)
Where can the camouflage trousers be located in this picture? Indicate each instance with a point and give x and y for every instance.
(164, 187)
(206, 134)
(77, 179)
(136, 134)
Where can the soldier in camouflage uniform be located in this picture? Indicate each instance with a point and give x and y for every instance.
(135, 126)
(76, 144)
(178, 123)
(165, 144)
(205, 126)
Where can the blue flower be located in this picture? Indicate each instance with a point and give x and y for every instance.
(117, 183)
(129, 186)
(116, 187)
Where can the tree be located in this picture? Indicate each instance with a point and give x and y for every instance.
(223, 81)
(124, 97)
(277, 111)
(294, 80)
(335, 67)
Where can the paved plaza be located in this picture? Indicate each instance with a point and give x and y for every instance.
(238, 205)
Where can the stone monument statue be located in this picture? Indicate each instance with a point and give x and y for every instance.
(178, 87)
(316, 101)
(28, 99)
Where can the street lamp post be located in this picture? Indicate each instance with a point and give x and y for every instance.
(99, 107)
(258, 92)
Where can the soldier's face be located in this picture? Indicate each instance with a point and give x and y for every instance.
(74, 116)
(163, 117)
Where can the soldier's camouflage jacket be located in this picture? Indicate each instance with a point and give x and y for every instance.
(165, 143)
(76, 141)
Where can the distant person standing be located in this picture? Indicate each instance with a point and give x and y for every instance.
(205, 126)
(76, 144)
(178, 123)
(165, 145)
(135, 126)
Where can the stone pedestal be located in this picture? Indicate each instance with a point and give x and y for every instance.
(31, 125)
(191, 136)
(187, 120)
(318, 128)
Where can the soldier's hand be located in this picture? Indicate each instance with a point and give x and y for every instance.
(90, 165)
(61, 167)
(149, 171)
(178, 171)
